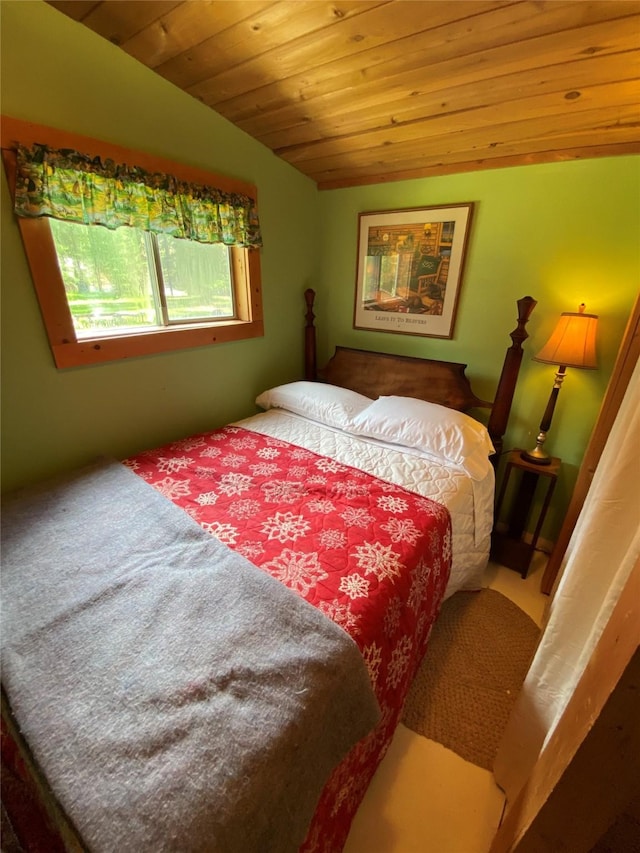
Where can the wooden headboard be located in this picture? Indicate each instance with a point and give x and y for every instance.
(376, 374)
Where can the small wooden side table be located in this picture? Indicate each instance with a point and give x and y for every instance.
(509, 548)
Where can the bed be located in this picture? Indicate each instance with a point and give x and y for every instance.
(154, 703)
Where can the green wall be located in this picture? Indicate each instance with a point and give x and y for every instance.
(563, 233)
(58, 73)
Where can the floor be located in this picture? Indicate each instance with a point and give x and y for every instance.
(425, 798)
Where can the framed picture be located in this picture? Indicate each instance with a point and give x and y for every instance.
(410, 266)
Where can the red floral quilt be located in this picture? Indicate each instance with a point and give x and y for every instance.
(374, 557)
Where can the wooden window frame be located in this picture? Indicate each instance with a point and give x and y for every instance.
(39, 246)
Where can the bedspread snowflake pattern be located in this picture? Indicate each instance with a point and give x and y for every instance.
(372, 556)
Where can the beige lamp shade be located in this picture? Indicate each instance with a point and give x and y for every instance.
(573, 342)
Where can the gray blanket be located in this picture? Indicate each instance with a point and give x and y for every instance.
(174, 696)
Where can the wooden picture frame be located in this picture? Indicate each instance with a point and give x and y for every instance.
(410, 268)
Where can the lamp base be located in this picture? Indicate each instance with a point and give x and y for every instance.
(537, 456)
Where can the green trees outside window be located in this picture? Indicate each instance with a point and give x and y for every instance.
(129, 279)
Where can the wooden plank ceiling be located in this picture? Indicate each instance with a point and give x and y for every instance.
(362, 91)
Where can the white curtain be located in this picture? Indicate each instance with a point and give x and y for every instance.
(602, 551)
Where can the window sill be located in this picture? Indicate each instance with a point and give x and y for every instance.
(132, 345)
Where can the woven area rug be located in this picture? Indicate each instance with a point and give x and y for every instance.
(478, 655)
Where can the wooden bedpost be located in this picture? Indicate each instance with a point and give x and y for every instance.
(506, 386)
(310, 365)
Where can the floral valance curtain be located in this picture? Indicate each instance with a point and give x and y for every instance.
(65, 184)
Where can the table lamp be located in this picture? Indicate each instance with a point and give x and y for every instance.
(572, 344)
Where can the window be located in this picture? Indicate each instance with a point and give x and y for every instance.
(115, 292)
(126, 280)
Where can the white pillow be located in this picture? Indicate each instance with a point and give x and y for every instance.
(327, 404)
(441, 432)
